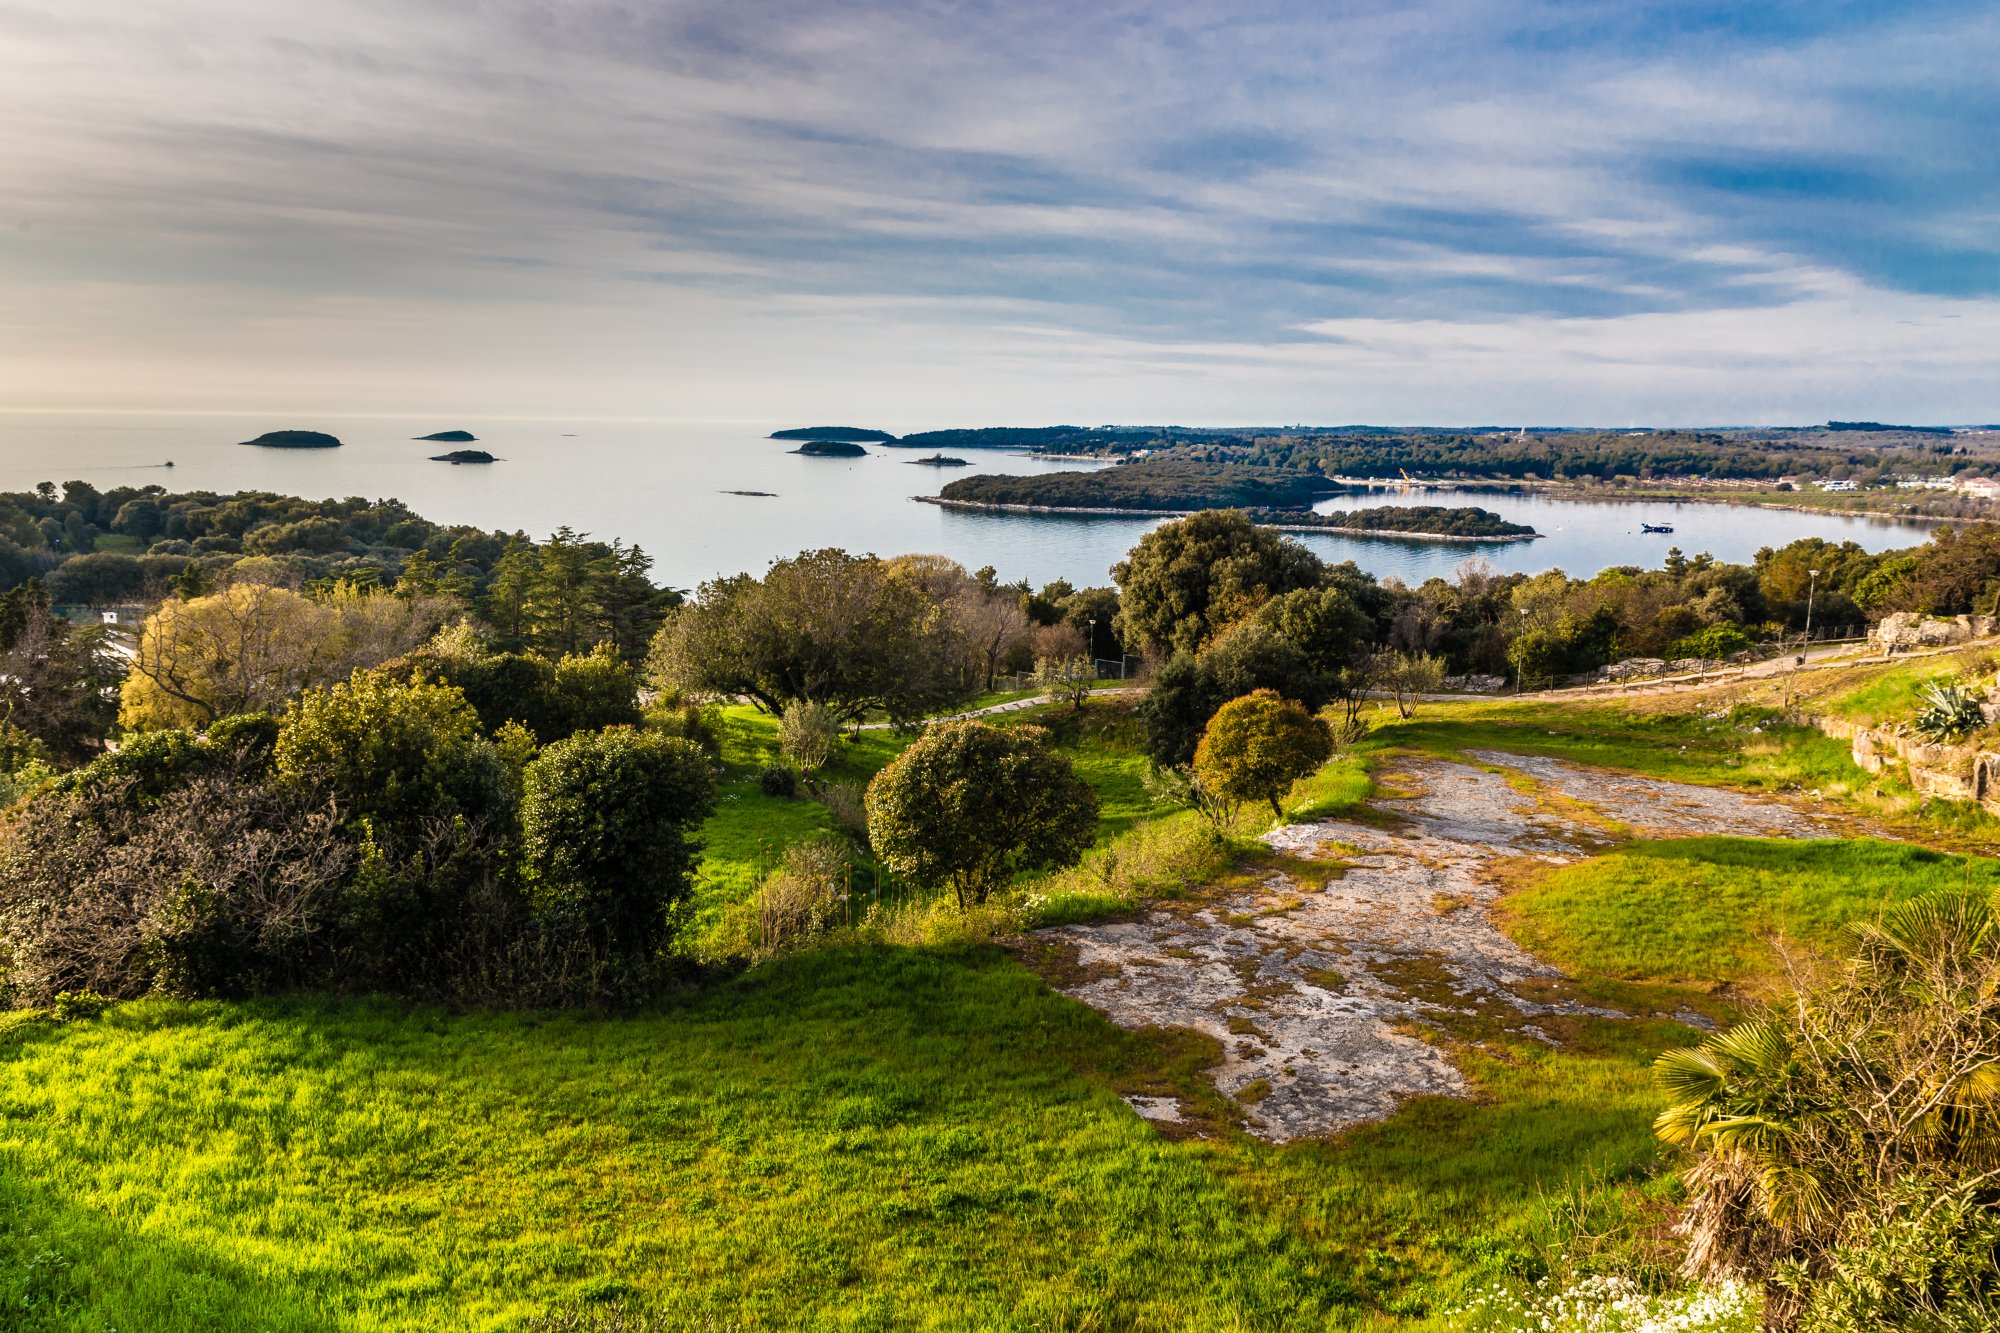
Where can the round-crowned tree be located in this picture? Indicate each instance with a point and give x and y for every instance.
(607, 823)
(969, 806)
(1258, 746)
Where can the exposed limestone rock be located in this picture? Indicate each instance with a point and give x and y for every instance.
(1324, 1002)
(1906, 630)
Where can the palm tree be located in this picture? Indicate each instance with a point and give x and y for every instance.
(1801, 1121)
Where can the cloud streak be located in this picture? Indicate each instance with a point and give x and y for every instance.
(202, 190)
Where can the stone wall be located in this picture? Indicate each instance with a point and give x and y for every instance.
(1946, 772)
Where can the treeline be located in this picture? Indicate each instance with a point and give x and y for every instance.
(1567, 455)
(1147, 484)
(561, 595)
(1605, 456)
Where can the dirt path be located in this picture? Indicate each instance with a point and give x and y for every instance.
(1321, 999)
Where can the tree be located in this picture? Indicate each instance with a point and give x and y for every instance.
(1408, 677)
(1065, 679)
(826, 627)
(55, 679)
(1258, 746)
(608, 823)
(1185, 581)
(252, 646)
(968, 806)
(1185, 693)
(1324, 623)
(993, 623)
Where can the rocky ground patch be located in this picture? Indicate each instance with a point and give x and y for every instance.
(1328, 974)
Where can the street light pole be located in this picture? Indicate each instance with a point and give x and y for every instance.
(1093, 647)
(1811, 588)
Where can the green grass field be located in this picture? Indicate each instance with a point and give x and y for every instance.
(887, 1137)
(881, 1138)
(1704, 910)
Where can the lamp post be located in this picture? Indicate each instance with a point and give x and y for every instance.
(1811, 588)
(1093, 646)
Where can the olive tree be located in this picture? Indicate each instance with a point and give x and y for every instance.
(608, 826)
(969, 806)
(1258, 746)
(1065, 680)
(852, 633)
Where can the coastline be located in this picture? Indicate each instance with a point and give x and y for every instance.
(1395, 533)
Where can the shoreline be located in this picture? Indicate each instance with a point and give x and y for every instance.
(1395, 533)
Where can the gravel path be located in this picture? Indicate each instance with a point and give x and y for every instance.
(1324, 1002)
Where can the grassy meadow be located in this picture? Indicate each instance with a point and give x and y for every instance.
(893, 1136)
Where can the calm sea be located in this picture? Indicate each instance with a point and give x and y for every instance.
(667, 487)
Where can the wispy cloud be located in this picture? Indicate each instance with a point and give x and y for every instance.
(355, 198)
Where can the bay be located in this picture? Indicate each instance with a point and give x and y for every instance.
(665, 485)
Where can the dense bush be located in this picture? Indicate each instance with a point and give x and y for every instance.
(217, 885)
(1257, 746)
(394, 753)
(968, 806)
(607, 828)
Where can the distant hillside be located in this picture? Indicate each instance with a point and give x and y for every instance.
(1147, 485)
(848, 433)
(989, 437)
(295, 439)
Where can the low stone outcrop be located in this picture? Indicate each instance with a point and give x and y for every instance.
(1907, 630)
(1944, 772)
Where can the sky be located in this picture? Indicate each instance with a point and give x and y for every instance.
(929, 214)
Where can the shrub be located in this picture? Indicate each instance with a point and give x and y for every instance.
(220, 885)
(607, 828)
(800, 900)
(691, 722)
(1806, 1125)
(1713, 644)
(1065, 680)
(807, 733)
(1258, 746)
(394, 753)
(970, 805)
(777, 780)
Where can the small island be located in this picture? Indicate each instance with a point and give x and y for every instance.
(464, 456)
(1151, 486)
(830, 449)
(937, 460)
(1400, 521)
(771, 494)
(851, 434)
(451, 437)
(295, 439)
